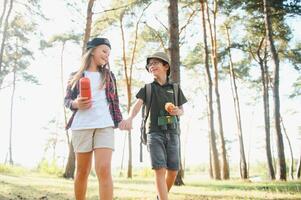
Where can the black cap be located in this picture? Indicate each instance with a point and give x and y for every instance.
(98, 41)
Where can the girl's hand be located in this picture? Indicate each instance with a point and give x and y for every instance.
(125, 124)
(82, 103)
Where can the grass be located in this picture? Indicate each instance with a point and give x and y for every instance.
(37, 186)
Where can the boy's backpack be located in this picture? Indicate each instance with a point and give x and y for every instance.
(146, 109)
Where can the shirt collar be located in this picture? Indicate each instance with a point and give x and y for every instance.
(167, 83)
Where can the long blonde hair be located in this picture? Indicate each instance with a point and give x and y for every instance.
(85, 63)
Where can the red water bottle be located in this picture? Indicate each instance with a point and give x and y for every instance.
(84, 87)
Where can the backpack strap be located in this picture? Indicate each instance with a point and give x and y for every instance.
(176, 91)
(148, 99)
(145, 114)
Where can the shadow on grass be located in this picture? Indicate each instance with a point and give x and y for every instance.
(136, 181)
(17, 192)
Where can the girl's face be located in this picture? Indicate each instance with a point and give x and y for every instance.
(156, 67)
(101, 54)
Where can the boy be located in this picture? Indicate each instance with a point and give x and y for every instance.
(162, 125)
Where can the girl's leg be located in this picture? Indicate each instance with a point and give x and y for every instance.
(83, 167)
(103, 157)
(161, 183)
(170, 178)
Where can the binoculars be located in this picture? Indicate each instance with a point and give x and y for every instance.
(167, 122)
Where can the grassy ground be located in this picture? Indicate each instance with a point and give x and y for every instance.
(30, 186)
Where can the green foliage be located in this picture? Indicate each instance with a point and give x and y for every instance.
(297, 88)
(17, 54)
(195, 57)
(12, 170)
(145, 173)
(51, 168)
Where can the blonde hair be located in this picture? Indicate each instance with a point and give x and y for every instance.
(85, 63)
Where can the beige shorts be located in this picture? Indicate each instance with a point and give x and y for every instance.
(88, 139)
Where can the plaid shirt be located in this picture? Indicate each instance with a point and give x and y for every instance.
(111, 95)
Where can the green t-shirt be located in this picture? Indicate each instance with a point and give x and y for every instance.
(161, 94)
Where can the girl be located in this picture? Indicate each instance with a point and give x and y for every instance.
(93, 120)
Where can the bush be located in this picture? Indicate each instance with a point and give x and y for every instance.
(50, 168)
(145, 172)
(12, 170)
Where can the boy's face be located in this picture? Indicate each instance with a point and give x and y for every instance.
(156, 67)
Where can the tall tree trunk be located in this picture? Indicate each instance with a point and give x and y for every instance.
(275, 61)
(266, 107)
(214, 57)
(129, 94)
(11, 162)
(242, 163)
(88, 25)
(212, 138)
(174, 50)
(63, 91)
(3, 12)
(70, 166)
(298, 169)
(291, 168)
(128, 71)
(4, 35)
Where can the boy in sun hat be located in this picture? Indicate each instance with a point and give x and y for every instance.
(162, 125)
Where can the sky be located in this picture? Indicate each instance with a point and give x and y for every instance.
(36, 105)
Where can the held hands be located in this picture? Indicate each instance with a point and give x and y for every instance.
(126, 124)
(82, 103)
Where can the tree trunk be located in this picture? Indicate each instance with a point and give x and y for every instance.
(70, 167)
(11, 162)
(266, 107)
(298, 170)
(174, 48)
(174, 51)
(129, 94)
(4, 35)
(212, 139)
(214, 57)
(63, 91)
(3, 12)
(275, 61)
(291, 168)
(242, 163)
(88, 25)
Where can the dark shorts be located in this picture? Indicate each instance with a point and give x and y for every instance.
(164, 150)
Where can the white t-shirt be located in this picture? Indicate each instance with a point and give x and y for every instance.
(98, 115)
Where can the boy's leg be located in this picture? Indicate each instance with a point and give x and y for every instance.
(161, 185)
(103, 157)
(170, 178)
(83, 167)
(173, 159)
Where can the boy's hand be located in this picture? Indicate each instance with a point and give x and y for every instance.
(176, 111)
